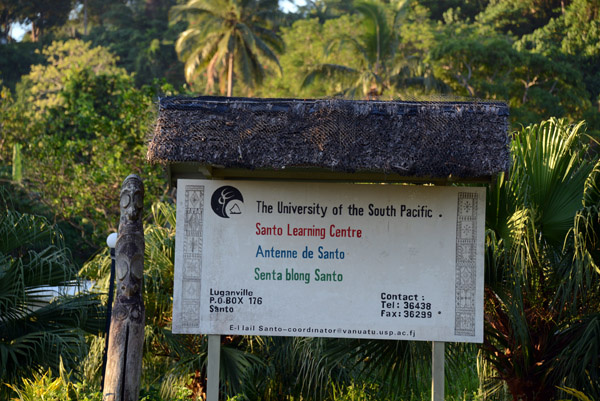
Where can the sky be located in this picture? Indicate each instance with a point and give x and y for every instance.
(291, 5)
(17, 31)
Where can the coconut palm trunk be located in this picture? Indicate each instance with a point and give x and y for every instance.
(230, 75)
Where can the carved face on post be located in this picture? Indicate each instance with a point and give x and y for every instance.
(132, 199)
(129, 275)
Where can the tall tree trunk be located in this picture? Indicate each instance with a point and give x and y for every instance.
(230, 75)
(34, 32)
(85, 17)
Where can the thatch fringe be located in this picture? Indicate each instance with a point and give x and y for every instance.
(422, 139)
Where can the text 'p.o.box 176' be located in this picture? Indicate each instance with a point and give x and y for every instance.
(400, 262)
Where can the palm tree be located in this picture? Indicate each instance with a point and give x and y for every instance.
(44, 312)
(543, 258)
(377, 69)
(376, 50)
(228, 38)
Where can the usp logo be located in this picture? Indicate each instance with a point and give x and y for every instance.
(226, 201)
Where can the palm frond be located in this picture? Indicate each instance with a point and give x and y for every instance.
(17, 229)
(267, 52)
(192, 62)
(587, 223)
(40, 321)
(246, 66)
(194, 8)
(236, 365)
(550, 155)
(271, 39)
(580, 355)
(186, 42)
(40, 350)
(378, 38)
(323, 71)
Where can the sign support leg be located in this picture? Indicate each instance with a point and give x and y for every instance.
(212, 374)
(437, 371)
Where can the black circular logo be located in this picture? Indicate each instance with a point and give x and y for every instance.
(226, 201)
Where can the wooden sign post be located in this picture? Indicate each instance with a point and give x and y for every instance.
(214, 362)
(438, 361)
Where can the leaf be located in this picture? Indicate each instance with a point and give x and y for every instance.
(575, 393)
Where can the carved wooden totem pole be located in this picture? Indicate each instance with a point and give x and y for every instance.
(126, 340)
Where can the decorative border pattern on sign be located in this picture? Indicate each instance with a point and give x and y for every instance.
(192, 256)
(466, 270)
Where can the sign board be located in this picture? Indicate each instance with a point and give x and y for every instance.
(373, 261)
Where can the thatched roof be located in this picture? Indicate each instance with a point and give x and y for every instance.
(409, 139)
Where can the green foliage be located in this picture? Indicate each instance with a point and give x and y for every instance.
(541, 57)
(353, 392)
(93, 140)
(543, 323)
(13, 122)
(45, 81)
(9, 14)
(376, 68)
(474, 62)
(329, 369)
(44, 15)
(574, 38)
(140, 36)
(22, 200)
(465, 10)
(577, 394)
(82, 125)
(520, 17)
(481, 63)
(47, 387)
(308, 46)
(375, 50)
(45, 310)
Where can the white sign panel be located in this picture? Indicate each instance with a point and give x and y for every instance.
(329, 260)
